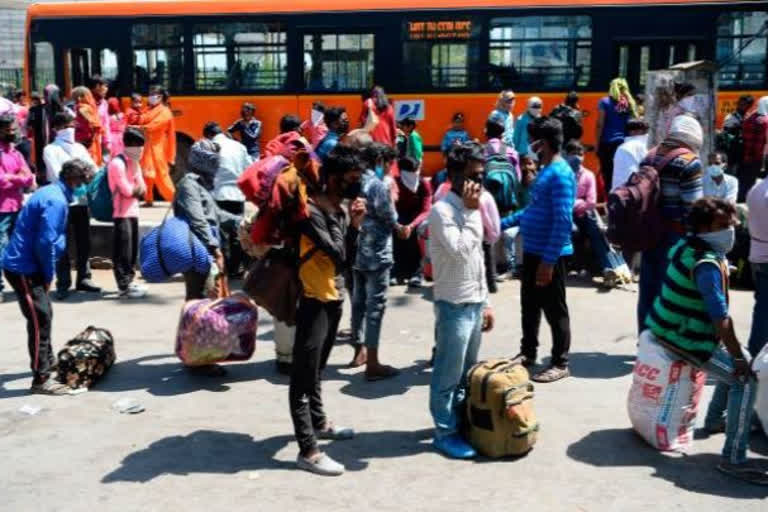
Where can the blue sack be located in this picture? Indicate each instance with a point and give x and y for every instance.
(100, 196)
(171, 248)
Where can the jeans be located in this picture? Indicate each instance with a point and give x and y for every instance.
(653, 268)
(748, 173)
(79, 222)
(458, 329)
(758, 336)
(316, 325)
(510, 244)
(551, 300)
(7, 222)
(125, 248)
(735, 395)
(36, 307)
(606, 257)
(369, 301)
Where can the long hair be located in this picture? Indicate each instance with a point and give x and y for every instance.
(619, 92)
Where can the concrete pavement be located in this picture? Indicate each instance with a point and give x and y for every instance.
(226, 444)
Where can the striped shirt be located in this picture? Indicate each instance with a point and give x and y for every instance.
(546, 222)
(681, 183)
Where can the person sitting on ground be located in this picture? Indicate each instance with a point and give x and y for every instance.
(337, 120)
(414, 201)
(585, 219)
(322, 244)
(546, 228)
(127, 185)
(455, 135)
(690, 319)
(249, 130)
(462, 310)
(38, 241)
(372, 264)
(716, 183)
(632, 151)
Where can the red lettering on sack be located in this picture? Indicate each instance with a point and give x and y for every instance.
(652, 392)
(647, 371)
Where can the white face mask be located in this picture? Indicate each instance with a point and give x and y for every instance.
(688, 103)
(722, 241)
(154, 99)
(66, 134)
(133, 153)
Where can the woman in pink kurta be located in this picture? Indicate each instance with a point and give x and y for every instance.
(117, 124)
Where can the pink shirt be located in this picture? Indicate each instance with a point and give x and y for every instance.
(489, 213)
(106, 141)
(122, 182)
(586, 193)
(15, 176)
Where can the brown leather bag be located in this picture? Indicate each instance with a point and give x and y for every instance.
(273, 283)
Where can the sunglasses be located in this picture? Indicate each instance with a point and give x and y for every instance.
(509, 100)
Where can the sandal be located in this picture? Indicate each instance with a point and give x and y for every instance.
(384, 372)
(746, 472)
(551, 374)
(50, 387)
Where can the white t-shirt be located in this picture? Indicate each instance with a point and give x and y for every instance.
(627, 158)
(757, 202)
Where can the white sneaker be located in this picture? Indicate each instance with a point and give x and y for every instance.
(133, 291)
(320, 464)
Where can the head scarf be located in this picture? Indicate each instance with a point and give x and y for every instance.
(686, 130)
(114, 105)
(204, 161)
(619, 92)
(762, 106)
(85, 104)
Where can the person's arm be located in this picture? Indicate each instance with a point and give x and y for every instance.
(623, 167)
(190, 206)
(53, 222)
(426, 205)
(52, 165)
(512, 219)
(491, 220)
(691, 186)
(589, 202)
(237, 126)
(459, 242)
(170, 140)
(118, 177)
(326, 233)
(562, 218)
(731, 189)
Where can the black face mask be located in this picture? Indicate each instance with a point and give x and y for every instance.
(351, 190)
(343, 126)
(9, 137)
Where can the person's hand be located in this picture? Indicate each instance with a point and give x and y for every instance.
(489, 320)
(357, 211)
(544, 274)
(471, 195)
(405, 232)
(741, 368)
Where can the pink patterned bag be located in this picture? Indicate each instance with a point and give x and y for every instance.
(213, 331)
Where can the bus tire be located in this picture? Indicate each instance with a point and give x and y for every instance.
(183, 144)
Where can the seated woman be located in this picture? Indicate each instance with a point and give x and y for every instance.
(585, 219)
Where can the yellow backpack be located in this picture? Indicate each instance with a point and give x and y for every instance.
(500, 412)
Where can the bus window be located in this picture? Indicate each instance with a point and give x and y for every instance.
(747, 69)
(158, 56)
(240, 56)
(338, 62)
(44, 72)
(549, 52)
(107, 65)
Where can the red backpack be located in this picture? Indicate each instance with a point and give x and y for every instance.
(634, 215)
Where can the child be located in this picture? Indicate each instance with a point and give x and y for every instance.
(127, 186)
(456, 135)
(135, 110)
(415, 146)
(249, 129)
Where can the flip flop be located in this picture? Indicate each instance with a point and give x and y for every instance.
(551, 374)
(50, 387)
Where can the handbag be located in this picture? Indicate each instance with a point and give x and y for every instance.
(86, 358)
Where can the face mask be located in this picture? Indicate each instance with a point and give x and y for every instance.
(715, 171)
(343, 126)
(688, 103)
(134, 153)
(721, 241)
(9, 137)
(80, 191)
(154, 100)
(535, 111)
(67, 135)
(379, 171)
(351, 190)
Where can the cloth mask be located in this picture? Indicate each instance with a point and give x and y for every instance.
(721, 241)
(715, 171)
(154, 100)
(379, 170)
(66, 135)
(80, 191)
(410, 179)
(134, 153)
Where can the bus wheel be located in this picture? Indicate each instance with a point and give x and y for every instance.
(183, 144)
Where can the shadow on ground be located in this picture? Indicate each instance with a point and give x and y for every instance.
(694, 473)
(598, 365)
(207, 451)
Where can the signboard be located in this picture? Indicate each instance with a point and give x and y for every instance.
(432, 30)
(409, 108)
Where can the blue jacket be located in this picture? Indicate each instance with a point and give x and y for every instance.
(451, 137)
(546, 222)
(40, 236)
(326, 145)
(521, 133)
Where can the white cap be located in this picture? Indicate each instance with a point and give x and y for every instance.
(687, 130)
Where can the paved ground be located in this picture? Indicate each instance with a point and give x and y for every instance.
(226, 444)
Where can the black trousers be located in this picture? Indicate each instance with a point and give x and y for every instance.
(233, 253)
(316, 326)
(605, 153)
(549, 299)
(407, 256)
(36, 307)
(489, 256)
(125, 248)
(748, 174)
(194, 285)
(79, 223)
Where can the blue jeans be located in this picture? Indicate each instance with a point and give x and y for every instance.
(758, 336)
(369, 301)
(606, 257)
(509, 246)
(735, 395)
(653, 268)
(458, 330)
(7, 222)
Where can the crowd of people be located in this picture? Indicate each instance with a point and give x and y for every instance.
(516, 202)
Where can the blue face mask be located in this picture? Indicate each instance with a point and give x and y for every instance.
(722, 241)
(80, 191)
(379, 171)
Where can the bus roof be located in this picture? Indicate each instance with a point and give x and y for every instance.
(202, 7)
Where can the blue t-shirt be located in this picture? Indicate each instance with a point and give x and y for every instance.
(615, 124)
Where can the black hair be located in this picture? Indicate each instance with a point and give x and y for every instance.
(319, 106)
(388, 153)
(408, 164)
(341, 160)
(211, 129)
(76, 168)
(548, 129)
(7, 120)
(17, 95)
(408, 121)
(61, 119)
(380, 98)
(248, 106)
(747, 98)
(573, 145)
(96, 80)
(637, 124)
(494, 129)
(159, 89)
(376, 151)
(136, 96)
(458, 116)
(461, 154)
(683, 89)
(34, 95)
(572, 98)
(723, 156)
(289, 123)
(333, 115)
(705, 210)
(133, 137)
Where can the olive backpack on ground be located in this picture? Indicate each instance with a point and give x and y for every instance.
(500, 417)
(86, 358)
